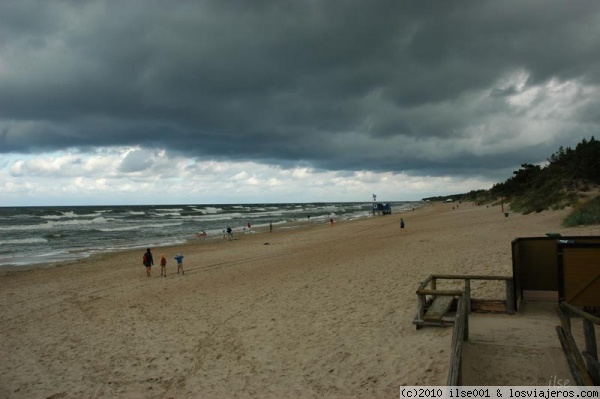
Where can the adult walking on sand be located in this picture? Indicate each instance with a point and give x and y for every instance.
(401, 224)
(148, 262)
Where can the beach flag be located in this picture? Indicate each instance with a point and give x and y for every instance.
(374, 197)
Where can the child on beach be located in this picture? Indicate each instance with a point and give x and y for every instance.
(179, 259)
(163, 265)
(148, 262)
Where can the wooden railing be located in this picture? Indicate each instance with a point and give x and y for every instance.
(428, 291)
(459, 335)
(588, 372)
(428, 294)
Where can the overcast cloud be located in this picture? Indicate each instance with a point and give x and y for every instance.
(107, 102)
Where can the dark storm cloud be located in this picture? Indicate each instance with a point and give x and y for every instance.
(340, 85)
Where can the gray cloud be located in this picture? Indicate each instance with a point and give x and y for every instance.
(420, 87)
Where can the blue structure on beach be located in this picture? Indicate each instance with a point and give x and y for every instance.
(382, 209)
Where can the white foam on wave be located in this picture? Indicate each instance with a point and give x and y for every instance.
(210, 210)
(23, 241)
(136, 213)
(139, 227)
(51, 224)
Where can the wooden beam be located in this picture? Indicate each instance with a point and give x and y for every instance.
(574, 359)
(467, 295)
(590, 338)
(440, 292)
(488, 306)
(469, 277)
(567, 306)
(510, 296)
(425, 282)
(564, 317)
(593, 367)
(458, 334)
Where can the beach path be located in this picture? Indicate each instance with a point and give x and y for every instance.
(521, 349)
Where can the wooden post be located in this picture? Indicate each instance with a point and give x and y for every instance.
(454, 374)
(465, 336)
(510, 296)
(421, 307)
(467, 296)
(593, 367)
(590, 338)
(591, 351)
(433, 283)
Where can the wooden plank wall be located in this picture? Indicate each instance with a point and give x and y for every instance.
(536, 264)
(580, 274)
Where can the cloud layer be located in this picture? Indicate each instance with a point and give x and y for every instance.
(466, 90)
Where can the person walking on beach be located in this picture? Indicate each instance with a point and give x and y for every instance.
(148, 262)
(179, 259)
(270, 227)
(331, 222)
(401, 224)
(229, 233)
(163, 265)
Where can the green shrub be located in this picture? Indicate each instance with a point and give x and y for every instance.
(584, 214)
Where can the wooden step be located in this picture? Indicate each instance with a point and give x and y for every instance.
(440, 306)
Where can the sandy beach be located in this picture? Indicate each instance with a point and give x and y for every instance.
(307, 312)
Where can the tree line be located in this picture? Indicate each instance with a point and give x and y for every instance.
(563, 181)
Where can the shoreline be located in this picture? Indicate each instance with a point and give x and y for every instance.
(60, 253)
(316, 312)
(256, 229)
(283, 227)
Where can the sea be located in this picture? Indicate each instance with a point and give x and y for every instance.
(41, 235)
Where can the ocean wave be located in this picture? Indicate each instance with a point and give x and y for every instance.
(54, 224)
(139, 227)
(23, 241)
(70, 215)
(163, 214)
(210, 210)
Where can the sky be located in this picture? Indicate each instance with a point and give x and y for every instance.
(263, 101)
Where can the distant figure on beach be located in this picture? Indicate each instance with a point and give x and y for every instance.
(202, 234)
(230, 233)
(249, 226)
(331, 222)
(179, 259)
(270, 227)
(148, 262)
(163, 265)
(401, 224)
